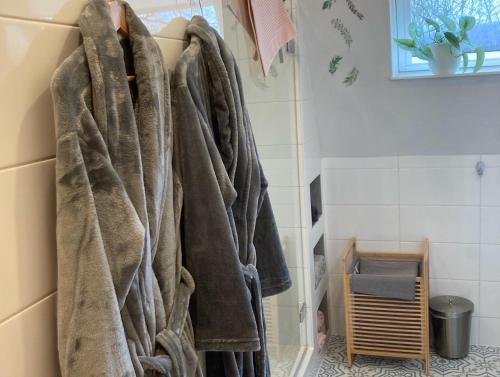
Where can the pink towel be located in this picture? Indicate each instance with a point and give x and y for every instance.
(268, 24)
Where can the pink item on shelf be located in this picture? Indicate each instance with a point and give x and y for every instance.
(321, 340)
(320, 322)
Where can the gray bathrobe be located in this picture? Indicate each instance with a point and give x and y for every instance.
(123, 296)
(230, 241)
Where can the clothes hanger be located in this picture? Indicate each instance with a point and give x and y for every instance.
(118, 16)
(201, 9)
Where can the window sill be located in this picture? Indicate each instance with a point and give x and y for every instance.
(485, 71)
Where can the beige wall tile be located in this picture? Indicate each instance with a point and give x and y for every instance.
(28, 266)
(28, 342)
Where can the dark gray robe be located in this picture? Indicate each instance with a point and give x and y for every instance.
(123, 295)
(230, 241)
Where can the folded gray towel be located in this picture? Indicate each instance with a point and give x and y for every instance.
(370, 266)
(391, 279)
(400, 287)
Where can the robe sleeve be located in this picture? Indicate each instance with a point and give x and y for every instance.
(271, 264)
(91, 338)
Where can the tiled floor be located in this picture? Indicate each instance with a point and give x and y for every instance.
(282, 359)
(481, 362)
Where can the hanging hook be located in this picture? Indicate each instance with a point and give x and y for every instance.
(201, 8)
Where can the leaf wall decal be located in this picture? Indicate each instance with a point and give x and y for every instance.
(334, 64)
(354, 10)
(351, 77)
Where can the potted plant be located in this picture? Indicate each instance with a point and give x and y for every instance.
(443, 44)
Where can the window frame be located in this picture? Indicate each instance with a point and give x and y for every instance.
(402, 61)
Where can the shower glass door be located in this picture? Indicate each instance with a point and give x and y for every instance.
(271, 105)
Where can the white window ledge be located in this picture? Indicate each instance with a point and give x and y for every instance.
(485, 71)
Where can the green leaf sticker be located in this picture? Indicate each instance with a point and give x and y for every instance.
(334, 64)
(351, 77)
(327, 4)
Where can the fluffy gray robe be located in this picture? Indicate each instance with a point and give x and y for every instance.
(230, 240)
(122, 294)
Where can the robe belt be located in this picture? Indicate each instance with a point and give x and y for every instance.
(173, 363)
(253, 282)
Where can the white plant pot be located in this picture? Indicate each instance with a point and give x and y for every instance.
(445, 61)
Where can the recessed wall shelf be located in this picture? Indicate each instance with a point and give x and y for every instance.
(316, 201)
(319, 261)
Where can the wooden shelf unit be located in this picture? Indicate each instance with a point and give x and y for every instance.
(379, 326)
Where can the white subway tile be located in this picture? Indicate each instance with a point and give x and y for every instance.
(490, 299)
(27, 131)
(440, 186)
(361, 186)
(387, 246)
(491, 160)
(474, 331)
(277, 86)
(151, 12)
(454, 261)
(280, 164)
(490, 263)
(286, 206)
(374, 223)
(489, 331)
(291, 239)
(61, 11)
(307, 117)
(452, 161)
(334, 253)
(490, 187)
(337, 321)
(273, 123)
(28, 263)
(360, 163)
(336, 291)
(440, 224)
(291, 295)
(310, 153)
(462, 288)
(28, 342)
(490, 224)
(411, 247)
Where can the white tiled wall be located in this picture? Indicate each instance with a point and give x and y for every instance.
(393, 203)
(35, 38)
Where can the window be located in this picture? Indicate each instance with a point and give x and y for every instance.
(486, 33)
(157, 18)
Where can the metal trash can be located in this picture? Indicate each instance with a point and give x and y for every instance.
(451, 321)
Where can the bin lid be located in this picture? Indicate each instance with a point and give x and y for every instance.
(451, 306)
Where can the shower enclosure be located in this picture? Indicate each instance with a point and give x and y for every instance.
(287, 141)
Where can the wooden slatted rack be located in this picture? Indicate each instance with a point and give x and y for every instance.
(380, 326)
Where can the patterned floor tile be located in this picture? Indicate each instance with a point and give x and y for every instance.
(481, 362)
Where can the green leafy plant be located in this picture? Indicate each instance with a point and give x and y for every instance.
(443, 31)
